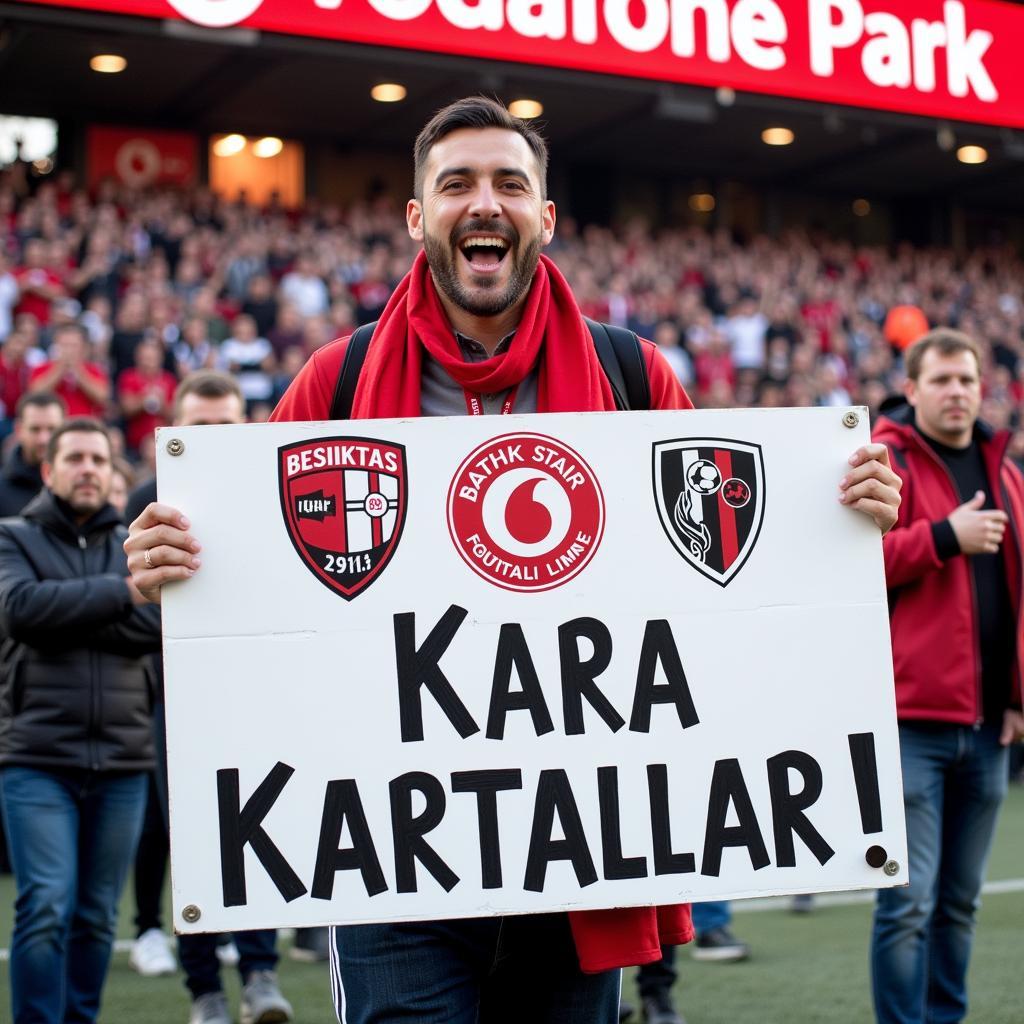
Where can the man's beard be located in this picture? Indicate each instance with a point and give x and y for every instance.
(441, 257)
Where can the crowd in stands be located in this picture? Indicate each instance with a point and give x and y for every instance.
(109, 298)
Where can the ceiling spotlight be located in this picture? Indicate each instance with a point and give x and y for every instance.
(388, 92)
(267, 146)
(972, 154)
(725, 96)
(702, 202)
(108, 63)
(229, 145)
(777, 136)
(861, 207)
(525, 109)
(945, 138)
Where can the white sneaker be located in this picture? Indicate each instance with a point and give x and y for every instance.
(151, 954)
(227, 954)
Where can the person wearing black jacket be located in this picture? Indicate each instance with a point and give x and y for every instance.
(75, 730)
(37, 416)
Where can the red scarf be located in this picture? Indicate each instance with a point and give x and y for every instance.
(569, 379)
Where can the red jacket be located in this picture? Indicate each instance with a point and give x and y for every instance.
(604, 938)
(932, 605)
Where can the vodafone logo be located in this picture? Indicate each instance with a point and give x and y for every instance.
(525, 512)
(216, 13)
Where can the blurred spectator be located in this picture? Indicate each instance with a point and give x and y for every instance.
(287, 329)
(195, 351)
(37, 417)
(305, 289)
(8, 296)
(261, 304)
(145, 393)
(17, 361)
(251, 359)
(84, 386)
(38, 286)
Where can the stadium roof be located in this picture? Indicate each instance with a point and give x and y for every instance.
(235, 79)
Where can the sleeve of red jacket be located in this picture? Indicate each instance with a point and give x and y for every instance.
(909, 547)
(666, 391)
(310, 394)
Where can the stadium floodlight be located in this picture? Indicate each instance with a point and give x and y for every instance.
(526, 108)
(229, 145)
(108, 63)
(388, 92)
(777, 136)
(972, 154)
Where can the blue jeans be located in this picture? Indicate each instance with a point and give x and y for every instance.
(954, 781)
(492, 970)
(257, 951)
(72, 836)
(709, 916)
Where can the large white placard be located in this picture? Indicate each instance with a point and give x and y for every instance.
(473, 666)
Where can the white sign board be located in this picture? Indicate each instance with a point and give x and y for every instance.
(462, 667)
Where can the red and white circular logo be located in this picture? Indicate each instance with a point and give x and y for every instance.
(525, 512)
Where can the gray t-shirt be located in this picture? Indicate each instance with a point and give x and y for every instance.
(442, 396)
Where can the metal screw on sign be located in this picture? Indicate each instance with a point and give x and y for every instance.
(175, 446)
(191, 913)
(851, 419)
(876, 856)
(892, 867)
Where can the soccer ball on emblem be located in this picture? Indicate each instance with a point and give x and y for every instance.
(703, 477)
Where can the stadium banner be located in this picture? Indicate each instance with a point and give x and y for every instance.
(471, 666)
(141, 157)
(937, 58)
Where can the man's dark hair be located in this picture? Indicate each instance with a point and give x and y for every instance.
(76, 425)
(39, 400)
(476, 112)
(207, 384)
(945, 341)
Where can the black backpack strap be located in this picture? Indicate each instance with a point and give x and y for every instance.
(355, 356)
(622, 359)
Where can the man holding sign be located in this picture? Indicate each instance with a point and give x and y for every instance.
(483, 323)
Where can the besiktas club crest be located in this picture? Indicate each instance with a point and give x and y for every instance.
(344, 502)
(710, 498)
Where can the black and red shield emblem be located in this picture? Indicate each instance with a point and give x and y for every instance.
(344, 502)
(710, 498)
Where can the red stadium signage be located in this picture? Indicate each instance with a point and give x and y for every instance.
(141, 158)
(938, 58)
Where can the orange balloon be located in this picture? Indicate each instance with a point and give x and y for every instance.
(904, 325)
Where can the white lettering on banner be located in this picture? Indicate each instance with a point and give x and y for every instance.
(886, 57)
(486, 14)
(684, 28)
(891, 54)
(894, 53)
(401, 10)
(758, 27)
(640, 39)
(537, 19)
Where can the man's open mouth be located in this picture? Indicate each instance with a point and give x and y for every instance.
(484, 253)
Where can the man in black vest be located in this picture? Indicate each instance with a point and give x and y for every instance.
(75, 731)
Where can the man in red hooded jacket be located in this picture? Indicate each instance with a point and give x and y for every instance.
(953, 568)
(483, 323)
